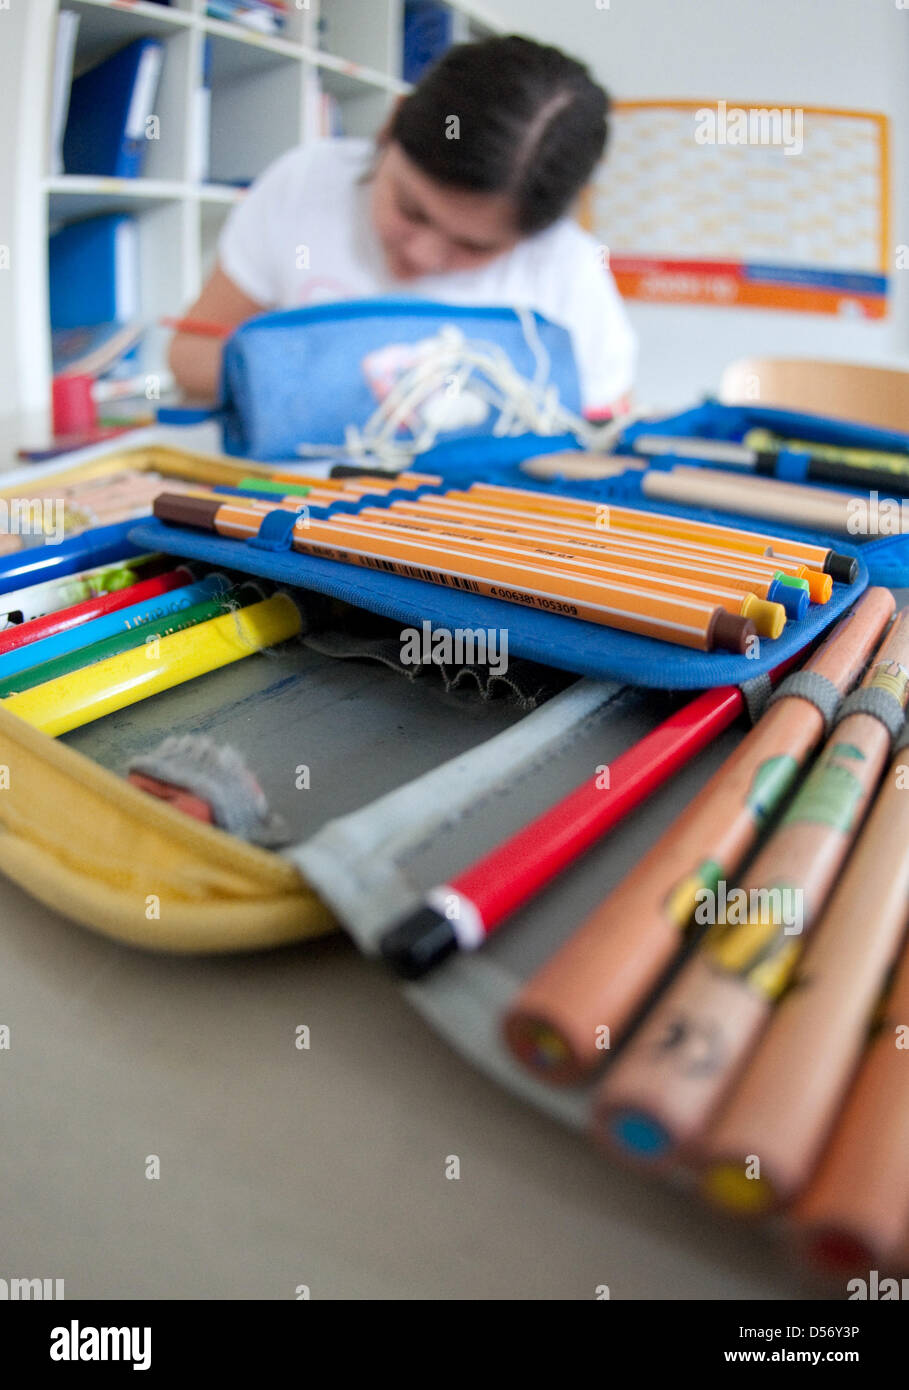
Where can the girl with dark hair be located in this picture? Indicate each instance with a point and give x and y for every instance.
(465, 198)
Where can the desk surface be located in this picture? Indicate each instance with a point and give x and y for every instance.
(282, 1167)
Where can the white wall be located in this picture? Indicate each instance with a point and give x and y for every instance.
(842, 53)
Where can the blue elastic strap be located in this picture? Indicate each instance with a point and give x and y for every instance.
(792, 466)
(275, 531)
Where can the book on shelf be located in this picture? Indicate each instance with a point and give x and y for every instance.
(263, 16)
(201, 163)
(94, 271)
(64, 57)
(97, 349)
(331, 119)
(94, 295)
(109, 110)
(430, 28)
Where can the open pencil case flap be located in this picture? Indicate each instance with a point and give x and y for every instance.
(84, 841)
(886, 556)
(582, 647)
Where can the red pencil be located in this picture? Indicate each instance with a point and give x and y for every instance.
(22, 633)
(460, 915)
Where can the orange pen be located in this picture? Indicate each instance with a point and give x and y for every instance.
(682, 621)
(696, 567)
(820, 585)
(769, 618)
(840, 567)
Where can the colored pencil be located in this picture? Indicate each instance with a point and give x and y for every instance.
(855, 1213)
(119, 618)
(575, 464)
(90, 550)
(837, 463)
(821, 509)
(605, 971)
(760, 452)
(201, 328)
(50, 596)
(36, 629)
(786, 1101)
(681, 1062)
(94, 691)
(127, 639)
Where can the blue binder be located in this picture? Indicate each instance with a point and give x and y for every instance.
(94, 272)
(428, 33)
(108, 110)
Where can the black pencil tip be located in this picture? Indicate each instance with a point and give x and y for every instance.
(418, 943)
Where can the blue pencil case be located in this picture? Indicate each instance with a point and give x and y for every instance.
(304, 376)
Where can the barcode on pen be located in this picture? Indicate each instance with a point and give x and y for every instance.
(453, 581)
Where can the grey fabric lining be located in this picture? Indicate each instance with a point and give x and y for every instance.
(877, 703)
(757, 693)
(525, 682)
(816, 689)
(356, 863)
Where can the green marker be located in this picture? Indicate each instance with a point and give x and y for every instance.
(161, 626)
(269, 485)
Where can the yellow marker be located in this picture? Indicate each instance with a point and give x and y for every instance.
(70, 701)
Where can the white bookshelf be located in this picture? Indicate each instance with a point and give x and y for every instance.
(265, 99)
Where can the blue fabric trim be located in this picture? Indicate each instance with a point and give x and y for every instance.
(713, 420)
(582, 647)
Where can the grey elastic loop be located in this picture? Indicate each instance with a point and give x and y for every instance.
(902, 739)
(756, 693)
(816, 689)
(880, 704)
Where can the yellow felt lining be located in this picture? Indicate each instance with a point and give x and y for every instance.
(98, 850)
(159, 458)
(105, 854)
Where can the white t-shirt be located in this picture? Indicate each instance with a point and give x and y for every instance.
(303, 235)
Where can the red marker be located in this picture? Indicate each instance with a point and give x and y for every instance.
(458, 916)
(22, 633)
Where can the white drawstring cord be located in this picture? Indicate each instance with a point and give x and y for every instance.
(524, 406)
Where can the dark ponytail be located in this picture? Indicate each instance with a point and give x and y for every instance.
(507, 115)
